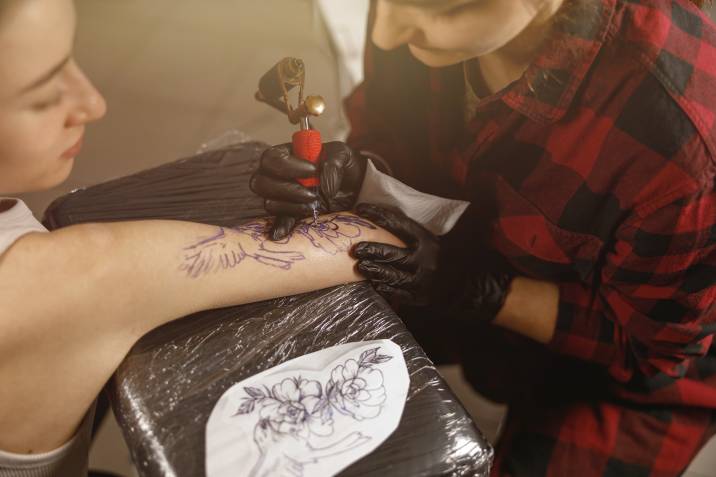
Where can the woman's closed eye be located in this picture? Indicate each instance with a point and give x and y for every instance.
(454, 10)
(48, 103)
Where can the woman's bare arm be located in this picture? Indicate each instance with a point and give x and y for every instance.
(74, 301)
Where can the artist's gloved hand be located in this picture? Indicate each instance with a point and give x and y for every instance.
(340, 171)
(407, 273)
(420, 274)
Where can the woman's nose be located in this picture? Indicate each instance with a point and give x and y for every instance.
(393, 26)
(89, 105)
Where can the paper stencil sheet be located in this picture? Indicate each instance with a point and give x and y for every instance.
(311, 416)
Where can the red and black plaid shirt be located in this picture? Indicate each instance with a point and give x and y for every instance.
(598, 166)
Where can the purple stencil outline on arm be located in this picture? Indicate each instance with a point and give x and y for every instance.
(334, 235)
(218, 253)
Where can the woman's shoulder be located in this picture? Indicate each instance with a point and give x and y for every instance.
(664, 52)
(658, 28)
(676, 43)
(650, 92)
(16, 220)
(651, 21)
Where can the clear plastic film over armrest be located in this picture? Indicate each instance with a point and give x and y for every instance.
(164, 391)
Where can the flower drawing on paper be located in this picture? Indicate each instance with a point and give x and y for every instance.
(295, 411)
(292, 408)
(356, 388)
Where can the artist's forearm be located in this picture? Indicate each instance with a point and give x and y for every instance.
(531, 309)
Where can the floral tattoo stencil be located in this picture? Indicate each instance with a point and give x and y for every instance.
(294, 410)
(230, 247)
(311, 416)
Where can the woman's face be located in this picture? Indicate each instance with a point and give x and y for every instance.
(45, 99)
(445, 32)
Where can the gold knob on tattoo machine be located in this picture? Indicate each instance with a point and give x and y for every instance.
(315, 105)
(274, 87)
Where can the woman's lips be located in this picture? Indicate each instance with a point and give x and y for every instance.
(74, 150)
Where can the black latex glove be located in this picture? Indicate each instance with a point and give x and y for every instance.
(340, 170)
(407, 273)
(420, 274)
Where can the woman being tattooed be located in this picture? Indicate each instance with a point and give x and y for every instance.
(74, 301)
(581, 290)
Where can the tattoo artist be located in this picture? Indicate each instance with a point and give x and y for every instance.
(579, 288)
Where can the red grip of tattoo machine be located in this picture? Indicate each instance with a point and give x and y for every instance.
(307, 145)
(274, 89)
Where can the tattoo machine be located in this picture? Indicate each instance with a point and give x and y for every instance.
(274, 88)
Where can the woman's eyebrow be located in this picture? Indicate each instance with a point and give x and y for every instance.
(47, 76)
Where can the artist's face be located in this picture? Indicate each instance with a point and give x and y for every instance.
(445, 32)
(45, 99)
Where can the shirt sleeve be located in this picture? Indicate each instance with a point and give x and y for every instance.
(69, 460)
(653, 310)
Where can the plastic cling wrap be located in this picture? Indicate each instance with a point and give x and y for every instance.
(164, 392)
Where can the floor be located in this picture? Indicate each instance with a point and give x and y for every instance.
(176, 75)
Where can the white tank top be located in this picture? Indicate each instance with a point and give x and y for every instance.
(16, 222)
